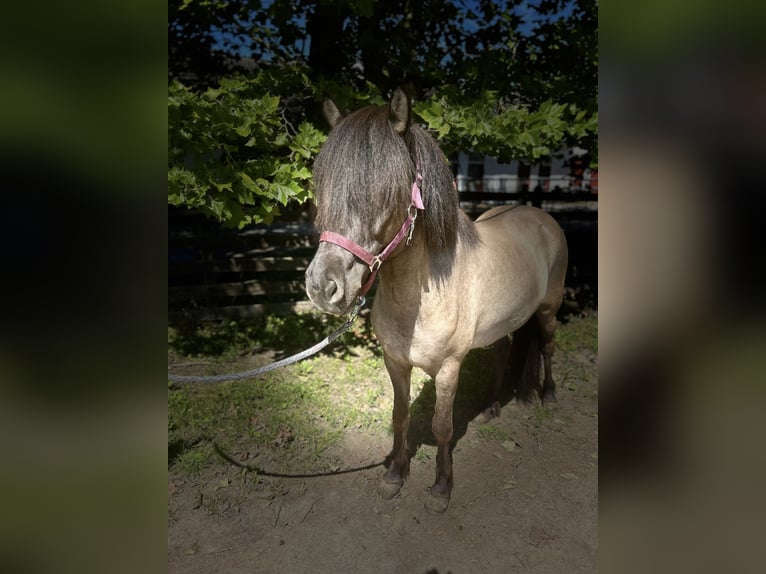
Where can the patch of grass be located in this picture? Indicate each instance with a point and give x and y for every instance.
(297, 413)
(282, 333)
(492, 433)
(425, 453)
(574, 377)
(193, 461)
(351, 393)
(577, 333)
(228, 339)
(542, 414)
(325, 440)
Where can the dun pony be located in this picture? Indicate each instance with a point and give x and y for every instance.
(447, 284)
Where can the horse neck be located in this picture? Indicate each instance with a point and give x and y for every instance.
(408, 269)
(416, 265)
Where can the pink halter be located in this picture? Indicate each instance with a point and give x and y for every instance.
(375, 261)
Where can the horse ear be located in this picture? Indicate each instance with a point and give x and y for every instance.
(331, 112)
(399, 109)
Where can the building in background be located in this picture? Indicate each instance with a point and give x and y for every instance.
(566, 171)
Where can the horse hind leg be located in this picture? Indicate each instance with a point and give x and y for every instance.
(398, 462)
(547, 321)
(501, 354)
(546, 318)
(524, 369)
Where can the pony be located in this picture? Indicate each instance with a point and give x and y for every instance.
(387, 204)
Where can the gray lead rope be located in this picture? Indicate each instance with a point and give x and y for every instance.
(278, 364)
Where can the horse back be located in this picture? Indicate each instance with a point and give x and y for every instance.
(529, 229)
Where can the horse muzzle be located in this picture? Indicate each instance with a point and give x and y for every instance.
(334, 279)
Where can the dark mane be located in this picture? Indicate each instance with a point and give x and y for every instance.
(365, 171)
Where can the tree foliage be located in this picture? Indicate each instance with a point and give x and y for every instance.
(506, 132)
(507, 79)
(234, 155)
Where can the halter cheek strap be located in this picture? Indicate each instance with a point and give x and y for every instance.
(375, 261)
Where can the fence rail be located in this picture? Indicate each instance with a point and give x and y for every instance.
(571, 197)
(217, 275)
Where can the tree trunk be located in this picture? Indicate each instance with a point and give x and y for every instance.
(325, 27)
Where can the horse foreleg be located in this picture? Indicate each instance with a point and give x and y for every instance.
(399, 462)
(446, 386)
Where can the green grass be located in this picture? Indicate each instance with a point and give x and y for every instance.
(491, 433)
(542, 414)
(311, 409)
(299, 411)
(297, 414)
(193, 462)
(425, 453)
(288, 334)
(580, 332)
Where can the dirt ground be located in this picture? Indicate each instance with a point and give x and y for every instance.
(528, 504)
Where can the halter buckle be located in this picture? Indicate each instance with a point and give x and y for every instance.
(376, 263)
(411, 231)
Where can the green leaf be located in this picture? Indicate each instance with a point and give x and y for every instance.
(217, 208)
(302, 173)
(248, 182)
(244, 129)
(223, 186)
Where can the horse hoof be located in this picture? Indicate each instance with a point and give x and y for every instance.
(436, 504)
(549, 397)
(388, 489)
(491, 412)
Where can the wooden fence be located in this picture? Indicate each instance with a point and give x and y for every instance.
(216, 274)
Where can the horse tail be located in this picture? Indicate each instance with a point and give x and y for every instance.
(525, 359)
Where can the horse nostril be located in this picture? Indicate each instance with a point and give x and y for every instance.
(330, 290)
(324, 286)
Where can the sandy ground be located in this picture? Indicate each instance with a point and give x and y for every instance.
(525, 505)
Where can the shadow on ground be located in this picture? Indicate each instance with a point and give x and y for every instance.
(283, 335)
(475, 383)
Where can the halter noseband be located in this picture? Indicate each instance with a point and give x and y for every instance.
(375, 261)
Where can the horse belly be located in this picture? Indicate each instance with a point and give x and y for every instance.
(506, 315)
(510, 299)
(489, 333)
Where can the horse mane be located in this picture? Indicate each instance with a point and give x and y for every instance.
(365, 171)
(444, 221)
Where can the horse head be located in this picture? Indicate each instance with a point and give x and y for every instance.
(363, 178)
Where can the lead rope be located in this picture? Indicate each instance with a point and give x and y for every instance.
(278, 364)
